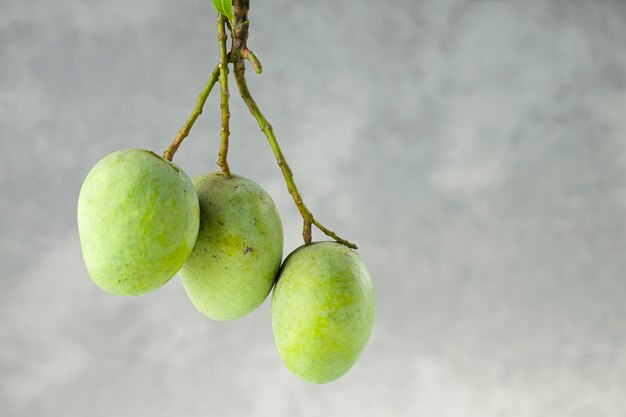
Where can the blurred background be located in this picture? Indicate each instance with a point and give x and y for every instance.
(475, 150)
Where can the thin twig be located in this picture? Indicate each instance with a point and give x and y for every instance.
(184, 131)
(332, 234)
(223, 68)
(240, 36)
(254, 60)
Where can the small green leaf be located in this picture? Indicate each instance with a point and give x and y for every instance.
(224, 7)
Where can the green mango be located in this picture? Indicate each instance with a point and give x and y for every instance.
(138, 218)
(322, 311)
(239, 248)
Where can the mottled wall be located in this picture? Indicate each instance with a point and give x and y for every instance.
(476, 151)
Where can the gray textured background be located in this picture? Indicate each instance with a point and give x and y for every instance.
(476, 151)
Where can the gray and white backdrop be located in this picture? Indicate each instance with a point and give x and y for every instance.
(475, 150)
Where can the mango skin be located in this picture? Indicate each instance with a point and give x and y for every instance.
(322, 311)
(239, 247)
(138, 218)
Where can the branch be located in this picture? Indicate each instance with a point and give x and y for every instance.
(240, 33)
(223, 69)
(184, 131)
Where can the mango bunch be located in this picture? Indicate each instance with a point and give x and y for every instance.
(142, 220)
